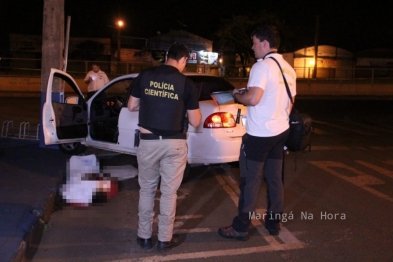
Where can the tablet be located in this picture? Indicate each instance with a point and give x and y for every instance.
(222, 97)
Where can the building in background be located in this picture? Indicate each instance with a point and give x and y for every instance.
(25, 51)
(332, 62)
(379, 59)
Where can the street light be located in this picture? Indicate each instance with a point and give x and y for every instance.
(119, 24)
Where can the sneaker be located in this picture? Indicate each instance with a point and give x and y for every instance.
(144, 243)
(163, 246)
(230, 232)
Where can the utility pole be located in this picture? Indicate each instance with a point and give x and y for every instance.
(314, 75)
(52, 50)
(119, 24)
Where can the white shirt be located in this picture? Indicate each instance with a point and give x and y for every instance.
(99, 80)
(270, 117)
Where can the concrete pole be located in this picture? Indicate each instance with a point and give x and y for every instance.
(52, 39)
(52, 49)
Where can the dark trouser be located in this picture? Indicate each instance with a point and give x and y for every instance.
(90, 94)
(260, 157)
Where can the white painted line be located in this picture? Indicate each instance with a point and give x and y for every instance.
(379, 169)
(231, 193)
(188, 217)
(329, 148)
(182, 193)
(231, 187)
(346, 128)
(194, 230)
(320, 132)
(390, 162)
(284, 234)
(362, 180)
(381, 148)
(374, 128)
(215, 253)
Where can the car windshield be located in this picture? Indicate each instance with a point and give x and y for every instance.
(209, 84)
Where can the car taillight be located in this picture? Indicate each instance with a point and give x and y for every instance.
(220, 120)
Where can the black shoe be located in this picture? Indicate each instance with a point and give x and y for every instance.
(144, 243)
(272, 225)
(163, 246)
(274, 230)
(230, 232)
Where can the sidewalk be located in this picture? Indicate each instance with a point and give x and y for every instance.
(29, 176)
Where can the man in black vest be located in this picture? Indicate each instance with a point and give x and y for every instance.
(163, 96)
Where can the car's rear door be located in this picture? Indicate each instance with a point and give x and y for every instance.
(64, 121)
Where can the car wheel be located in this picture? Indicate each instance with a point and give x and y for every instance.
(186, 174)
(72, 148)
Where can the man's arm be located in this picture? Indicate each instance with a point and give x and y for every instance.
(249, 98)
(133, 103)
(87, 78)
(194, 117)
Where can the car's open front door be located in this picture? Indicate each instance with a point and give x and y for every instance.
(64, 121)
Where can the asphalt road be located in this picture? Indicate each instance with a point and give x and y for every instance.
(338, 201)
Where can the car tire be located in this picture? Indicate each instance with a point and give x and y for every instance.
(72, 148)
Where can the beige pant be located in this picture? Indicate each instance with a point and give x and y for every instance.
(166, 159)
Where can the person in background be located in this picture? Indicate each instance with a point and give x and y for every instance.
(164, 97)
(267, 126)
(95, 80)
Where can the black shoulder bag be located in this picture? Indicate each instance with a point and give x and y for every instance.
(300, 125)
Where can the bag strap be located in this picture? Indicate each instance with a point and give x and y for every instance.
(285, 80)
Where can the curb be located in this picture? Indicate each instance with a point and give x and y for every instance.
(34, 228)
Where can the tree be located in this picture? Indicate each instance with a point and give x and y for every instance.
(234, 34)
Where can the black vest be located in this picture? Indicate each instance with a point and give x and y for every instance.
(162, 108)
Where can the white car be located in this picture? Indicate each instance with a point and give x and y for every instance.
(104, 122)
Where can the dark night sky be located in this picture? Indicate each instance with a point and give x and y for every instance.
(351, 25)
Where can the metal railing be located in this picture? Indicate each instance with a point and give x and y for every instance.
(32, 67)
(78, 68)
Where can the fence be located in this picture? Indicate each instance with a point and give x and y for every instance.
(78, 68)
(32, 67)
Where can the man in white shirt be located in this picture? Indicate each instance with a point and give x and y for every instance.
(262, 149)
(95, 79)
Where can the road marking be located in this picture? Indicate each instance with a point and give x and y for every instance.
(374, 128)
(389, 162)
(182, 193)
(329, 148)
(231, 187)
(381, 148)
(188, 217)
(344, 148)
(194, 230)
(319, 131)
(215, 253)
(379, 169)
(345, 128)
(362, 180)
